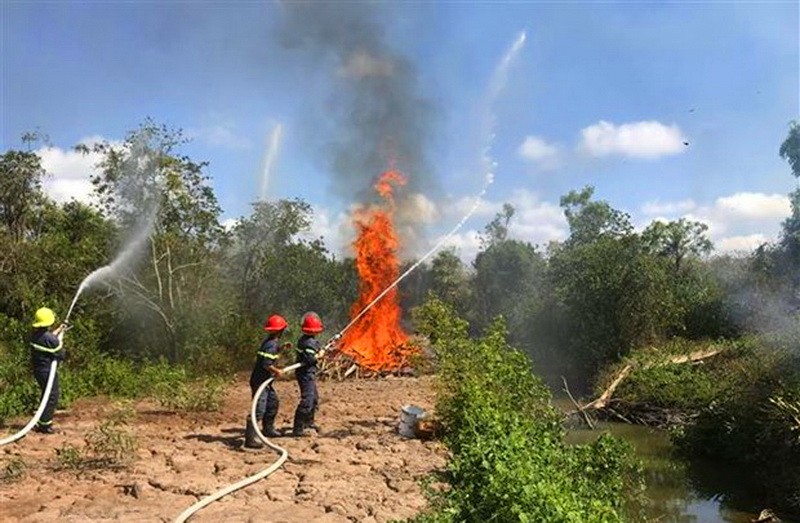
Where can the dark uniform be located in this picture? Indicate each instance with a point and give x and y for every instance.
(307, 348)
(267, 405)
(45, 348)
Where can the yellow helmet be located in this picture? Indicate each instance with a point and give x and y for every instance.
(44, 317)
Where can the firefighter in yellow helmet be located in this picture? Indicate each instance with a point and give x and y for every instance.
(46, 346)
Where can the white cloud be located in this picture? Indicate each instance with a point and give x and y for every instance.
(738, 222)
(659, 208)
(535, 149)
(219, 135)
(756, 206)
(69, 172)
(535, 221)
(646, 139)
(467, 244)
(230, 223)
(464, 205)
(740, 244)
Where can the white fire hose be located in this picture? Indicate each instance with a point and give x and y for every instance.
(284, 455)
(38, 415)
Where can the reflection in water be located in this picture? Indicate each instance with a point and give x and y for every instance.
(679, 492)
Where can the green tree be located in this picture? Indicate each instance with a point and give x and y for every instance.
(179, 285)
(610, 294)
(21, 194)
(258, 237)
(450, 280)
(677, 240)
(590, 219)
(790, 148)
(507, 282)
(497, 229)
(276, 270)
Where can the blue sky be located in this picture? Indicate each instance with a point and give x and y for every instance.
(601, 93)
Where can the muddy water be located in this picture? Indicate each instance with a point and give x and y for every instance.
(682, 492)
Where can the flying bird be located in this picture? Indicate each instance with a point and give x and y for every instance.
(686, 143)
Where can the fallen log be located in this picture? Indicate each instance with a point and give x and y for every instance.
(603, 400)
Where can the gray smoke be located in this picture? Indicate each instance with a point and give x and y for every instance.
(381, 120)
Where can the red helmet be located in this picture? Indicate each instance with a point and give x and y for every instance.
(311, 323)
(275, 323)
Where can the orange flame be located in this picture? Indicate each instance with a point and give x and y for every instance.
(377, 341)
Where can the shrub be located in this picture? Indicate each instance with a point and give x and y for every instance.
(203, 395)
(14, 470)
(742, 406)
(110, 445)
(509, 461)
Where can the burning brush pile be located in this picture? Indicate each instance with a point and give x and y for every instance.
(377, 341)
(379, 118)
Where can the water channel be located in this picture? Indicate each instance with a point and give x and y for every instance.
(682, 492)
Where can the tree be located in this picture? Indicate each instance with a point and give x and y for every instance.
(588, 220)
(790, 148)
(21, 194)
(276, 270)
(269, 228)
(146, 180)
(677, 240)
(787, 255)
(449, 279)
(497, 229)
(508, 282)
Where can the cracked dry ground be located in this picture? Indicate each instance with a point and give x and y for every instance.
(358, 469)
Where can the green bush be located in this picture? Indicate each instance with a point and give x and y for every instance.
(755, 421)
(508, 458)
(741, 406)
(203, 395)
(14, 470)
(110, 445)
(103, 376)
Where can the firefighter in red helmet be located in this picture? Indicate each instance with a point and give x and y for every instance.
(264, 369)
(307, 349)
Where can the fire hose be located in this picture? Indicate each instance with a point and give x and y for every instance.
(38, 415)
(283, 454)
(280, 450)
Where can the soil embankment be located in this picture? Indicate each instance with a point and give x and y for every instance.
(358, 469)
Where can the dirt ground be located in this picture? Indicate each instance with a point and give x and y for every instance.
(357, 469)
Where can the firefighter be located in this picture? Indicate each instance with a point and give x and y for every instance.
(264, 369)
(307, 352)
(46, 346)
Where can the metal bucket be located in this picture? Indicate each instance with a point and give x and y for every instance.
(410, 415)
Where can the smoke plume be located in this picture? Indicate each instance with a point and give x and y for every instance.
(381, 119)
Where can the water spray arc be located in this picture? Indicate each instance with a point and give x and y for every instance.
(498, 82)
(121, 261)
(274, 140)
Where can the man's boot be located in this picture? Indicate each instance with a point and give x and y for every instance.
(299, 425)
(311, 424)
(269, 427)
(251, 440)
